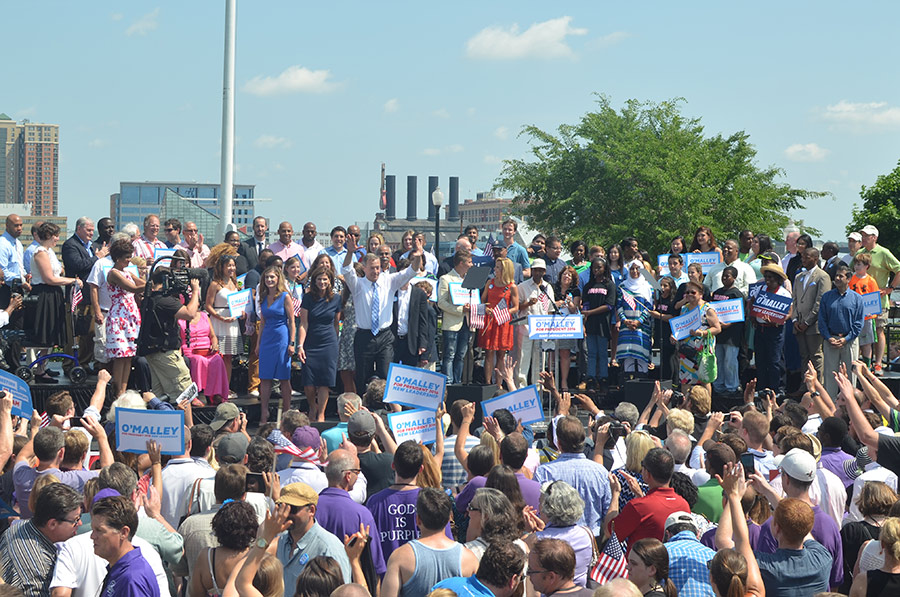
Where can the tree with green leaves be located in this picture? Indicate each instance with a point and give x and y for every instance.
(649, 172)
(881, 208)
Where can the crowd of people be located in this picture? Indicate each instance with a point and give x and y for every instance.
(770, 467)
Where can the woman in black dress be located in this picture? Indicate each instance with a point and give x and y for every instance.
(317, 344)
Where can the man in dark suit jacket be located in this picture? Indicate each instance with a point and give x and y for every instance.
(412, 345)
(250, 248)
(78, 258)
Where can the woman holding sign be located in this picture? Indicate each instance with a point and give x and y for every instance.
(705, 242)
(689, 348)
(317, 343)
(224, 324)
(497, 336)
(568, 302)
(275, 343)
(123, 322)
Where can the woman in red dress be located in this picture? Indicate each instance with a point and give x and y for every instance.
(496, 339)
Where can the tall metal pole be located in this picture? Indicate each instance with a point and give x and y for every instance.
(226, 190)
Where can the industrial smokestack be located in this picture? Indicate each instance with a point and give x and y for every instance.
(410, 198)
(390, 192)
(432, 185)
(453, 216)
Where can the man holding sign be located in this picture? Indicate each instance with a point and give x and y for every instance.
(840, 323)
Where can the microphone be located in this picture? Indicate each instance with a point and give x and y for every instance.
(543, 288)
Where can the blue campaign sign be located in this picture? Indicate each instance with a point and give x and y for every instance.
(6, 511)
(730, 311)
(871, 303)
(555, 327)
(773, 307)
(683, 324)
(418, 425)
(524, 404)
(707, 260)
(135, 427)
(411, 386)
(20, 392)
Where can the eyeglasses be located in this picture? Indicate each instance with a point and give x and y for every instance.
(75, 522)
(170, 230)
(532, 572)
(190, 230)
(353, 470)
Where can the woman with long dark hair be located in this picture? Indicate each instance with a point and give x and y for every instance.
(705, 242)
(224, 324)
(317, 343)
(648, 568)
(598, 299)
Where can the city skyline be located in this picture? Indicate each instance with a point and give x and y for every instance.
(325, 95)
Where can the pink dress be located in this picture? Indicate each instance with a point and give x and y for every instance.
(123, 323)
(207, 370)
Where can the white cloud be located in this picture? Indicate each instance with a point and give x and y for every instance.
(492, 159)
(431, 152)
(392, 105)
(541, 40)
(116, 16)
(293, 79)
(98, 143)
(272, 142)
(611, 39)
(863, 114)
(809, 152)
(144, 25)
(442, 113)
(501, 132)
(455, 148)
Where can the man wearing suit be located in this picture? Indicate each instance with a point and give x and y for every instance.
(809, 286)
(251, 247)
(78, 258)
(410, 325)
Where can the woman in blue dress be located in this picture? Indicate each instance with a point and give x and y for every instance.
(317, 344)
(275, 345)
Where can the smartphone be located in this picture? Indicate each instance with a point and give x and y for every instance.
(255, 482)
(748, 461)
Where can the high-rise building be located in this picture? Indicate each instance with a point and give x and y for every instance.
(29, 168)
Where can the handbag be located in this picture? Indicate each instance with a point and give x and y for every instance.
(706, 364)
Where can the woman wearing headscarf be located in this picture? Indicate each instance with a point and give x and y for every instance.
(633, 307)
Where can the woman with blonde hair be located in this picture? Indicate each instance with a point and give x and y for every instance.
(885, 580)
(637, 444)
(276, 338)
(497, 337)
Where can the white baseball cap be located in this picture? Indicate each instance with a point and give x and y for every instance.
(799, 464)
(871, 230)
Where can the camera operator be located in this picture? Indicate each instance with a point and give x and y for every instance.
(160, 341)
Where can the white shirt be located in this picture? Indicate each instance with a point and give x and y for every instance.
(79, 569)
(97, 277)
(878, 473)
(431, 262)
(746, 276)
(55, 266)
(827, 492)
(206, 499)
(812, 424)
(307, 472)
(311, 252)
(528, 290)
(403, 311)
(697, 476)
(178, 478)
(362, 291)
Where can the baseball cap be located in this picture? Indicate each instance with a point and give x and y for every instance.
(680, 518)
(361, 424)
(225, 412)
(799, 464)
(869, 229)
(538, 264)
(855, 236)
(232, 448)
(105, 493)
(306, 437)
(298, 494)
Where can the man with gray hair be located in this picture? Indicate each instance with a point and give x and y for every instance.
(679, 444)
(337, 513)
(335, 436)
(626, 412)
(78, 259)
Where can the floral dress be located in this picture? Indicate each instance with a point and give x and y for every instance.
(123, 322)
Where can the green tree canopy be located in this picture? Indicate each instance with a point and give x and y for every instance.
(647, 172)
(881, 208)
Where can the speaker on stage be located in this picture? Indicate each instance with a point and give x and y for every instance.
(472, 393)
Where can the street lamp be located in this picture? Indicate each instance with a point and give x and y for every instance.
(437, 199)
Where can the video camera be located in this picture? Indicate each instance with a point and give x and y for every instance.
(178, 278)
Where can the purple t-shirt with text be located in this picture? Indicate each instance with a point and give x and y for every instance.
(394, 511)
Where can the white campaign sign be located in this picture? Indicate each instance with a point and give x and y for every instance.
(683, 324)
(418, 425)
(730, 311)
(460, 295)
(871, 303)
(555, 327)
(411, 386)
(135, 427)
(239, 302)
(524, 404)
(157, 253)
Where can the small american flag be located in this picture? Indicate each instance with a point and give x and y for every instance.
(545, 302)
(489, 246)
(45, 419)
(629, 300)
(283, 445)
(476, 316)
(611, 563)
(77, 296)
(501, 313)
(297, 304)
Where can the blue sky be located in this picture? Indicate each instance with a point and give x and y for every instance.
(328, 91)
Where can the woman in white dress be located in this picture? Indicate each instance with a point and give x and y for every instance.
(226, 326)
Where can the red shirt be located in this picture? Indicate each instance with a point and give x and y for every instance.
(646, 516)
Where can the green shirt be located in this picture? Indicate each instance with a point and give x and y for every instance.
(709, 500)
(884, 265)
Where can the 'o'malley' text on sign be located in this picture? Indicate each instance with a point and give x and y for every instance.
(134, 428)
(770, 306)
(411, 386)
(524, 404)
(555, 327)
(19, 391)
(418, 425)
(730, 311)
(684, 324)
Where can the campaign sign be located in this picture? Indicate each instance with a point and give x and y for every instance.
(730, 311)
(431, 281)
(240, 281)
(6, 511)
(157, 253)
(418, 425)
(555, 327)
(239, 302)
(524, 404)
(460, 295)
(871, 303)
(773, 306)
(411, 386)
(707, 260)
(134, 428)
(683, 324)
(20, 393)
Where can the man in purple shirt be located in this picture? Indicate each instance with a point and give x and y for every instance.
(113, 523)
(831, 434)
(337, 513)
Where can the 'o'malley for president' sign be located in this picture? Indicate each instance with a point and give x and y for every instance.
(772, 306)
(729, 311)
(20, 393)
(554, 327)
(684, 324)
(134, 428)
(411, 386)
(418, 425)
(524, 404)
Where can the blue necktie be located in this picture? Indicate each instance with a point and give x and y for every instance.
(376, 308)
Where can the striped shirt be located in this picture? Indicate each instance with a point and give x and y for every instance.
(27, 558)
